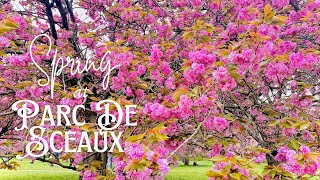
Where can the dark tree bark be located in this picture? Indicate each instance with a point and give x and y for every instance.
(50, 18)
(270, 158)
(186, 161)
(295, 5)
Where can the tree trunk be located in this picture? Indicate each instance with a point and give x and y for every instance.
(104, 159)
(185, 161)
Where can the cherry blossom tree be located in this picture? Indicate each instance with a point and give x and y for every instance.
(233, 81)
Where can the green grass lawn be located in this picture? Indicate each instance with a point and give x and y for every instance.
(38, 170)
(43, 171)
(182, 172)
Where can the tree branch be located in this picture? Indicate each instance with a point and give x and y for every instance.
(50, 18)
(57, 163)
(294, 4)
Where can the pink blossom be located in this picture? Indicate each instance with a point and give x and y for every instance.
(89, 175)
(163, 166)
(194, 74)
(244, 172)
(141, 69)
(139, 93)
(93, 108)
(196, 3)
(202, 101)
(156, 55)
(300, 61)
(185, 105)
(285, 154)
(19, 61)
(293, 167)
(22, 94)
(134, 151)
(165, 68)
(150, 155)
(169, 83)
(78, 158)
(216, 123)
(124, 3)
(156, 111)
(150, 19)
(289, 132)
(310, 168)
(276, 72)
(269, 48)
(129, 92)
(21, 22)
(306, 135)
(70, 102)
(301, 102)
(260, 158)
(244, 58)
(35, 91)
(4, 42)
(269, 30)
(304, 149)
(216, 149)
(219, 165)
(224, 81)
(117, 83)
(202, 57)
(286, 46)
(280, 3)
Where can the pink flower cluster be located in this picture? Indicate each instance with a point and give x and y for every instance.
(216, 123)
(303, 62)
(270, 30)
(280, 3)
(89, 175)
(304, 150)
(146, 173)
(216, 149)
(71, 102)
(224, 81)
(4, 42)
(169, 83)
(163, 166)
(18, 60)
(292, 164)
(156, 55)
(185, 106)
(156, 111)
(276, 72)
(202, 57)
(196, 3)
(301, 102)
(195, 74)
(135, 152)
(221, 165)
(260, 158)
(244, 58)
(285, 154)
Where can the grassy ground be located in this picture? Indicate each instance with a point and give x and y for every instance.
(43, 171)
(182, 172)
(38, 170)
